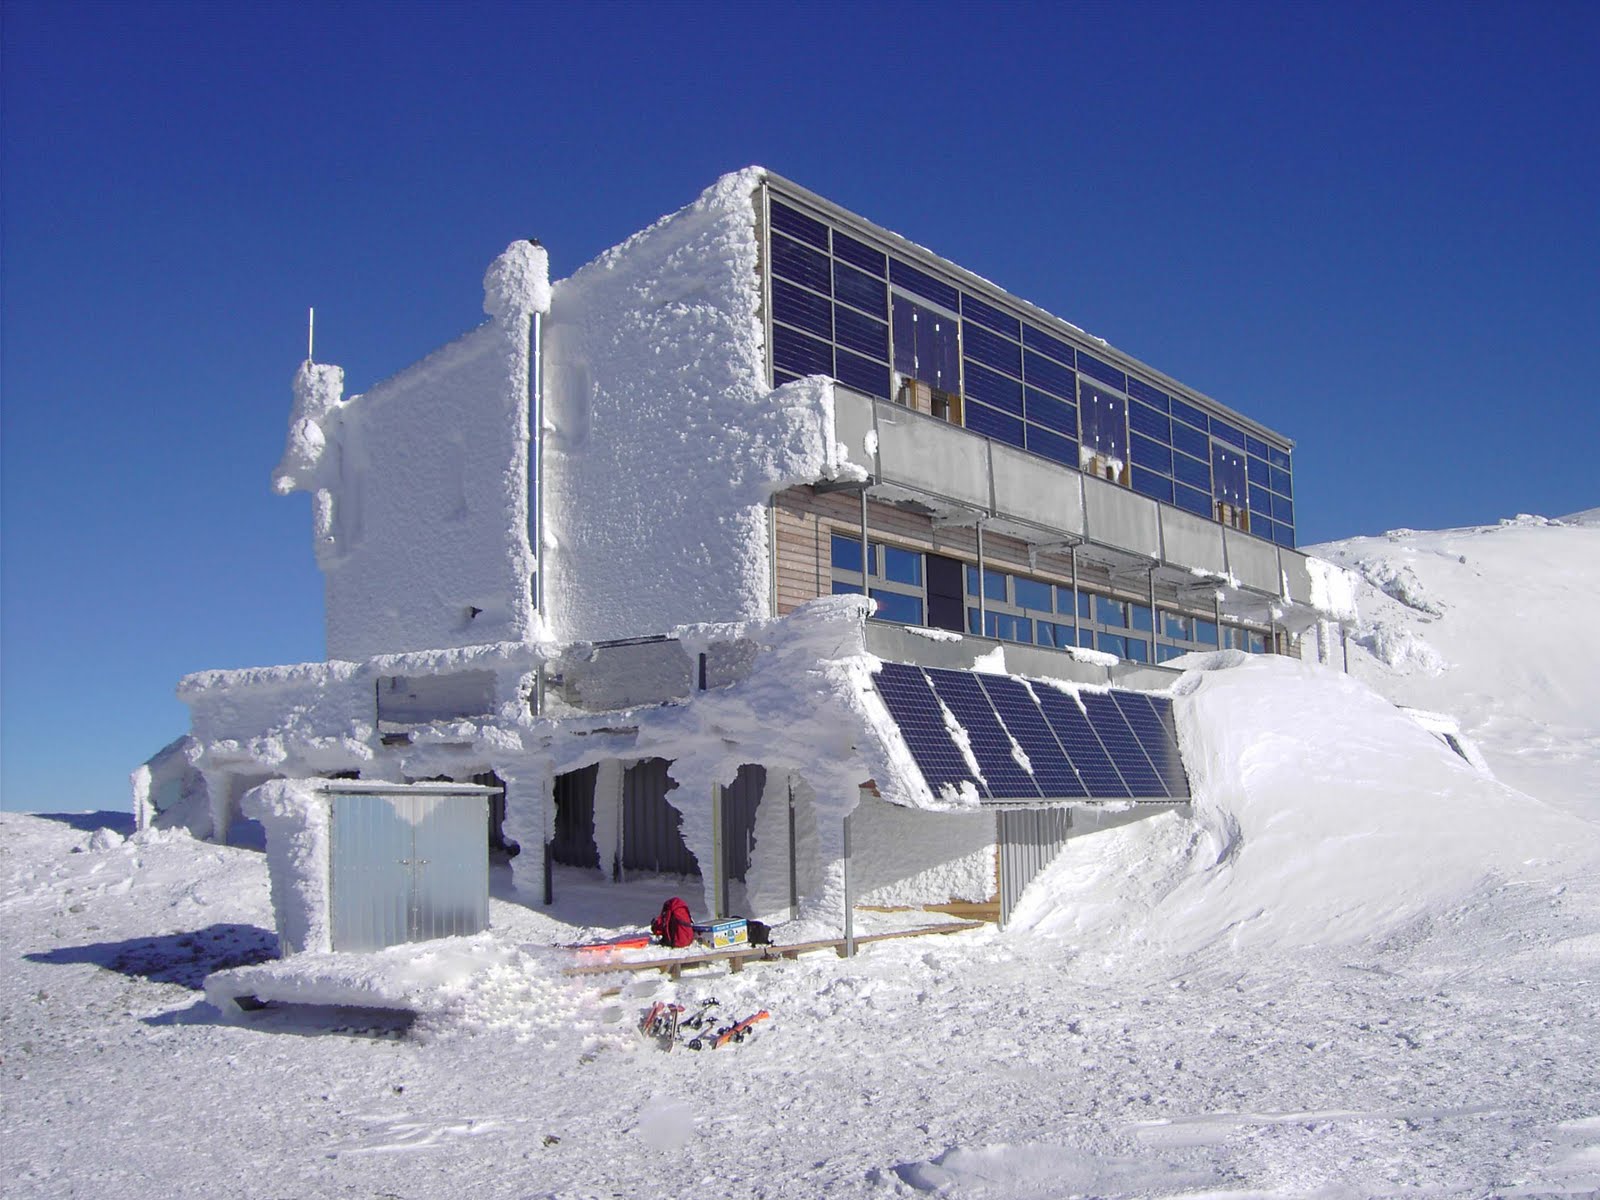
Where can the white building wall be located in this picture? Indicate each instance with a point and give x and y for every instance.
(420, 486)
(663, 440)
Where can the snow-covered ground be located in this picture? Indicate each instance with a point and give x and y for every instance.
(1363, 968)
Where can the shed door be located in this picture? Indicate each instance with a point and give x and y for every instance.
(405, 868)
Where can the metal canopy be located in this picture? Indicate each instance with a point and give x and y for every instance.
(1033, 743)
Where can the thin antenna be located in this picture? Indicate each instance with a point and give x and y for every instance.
(311, 331)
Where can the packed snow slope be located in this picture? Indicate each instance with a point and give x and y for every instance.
(1494, 625)
(1323, 816)
(1362, 968)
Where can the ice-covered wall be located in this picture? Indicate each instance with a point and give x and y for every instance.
(295, 816)
(906, 856)
(663, 441)
(420, 487)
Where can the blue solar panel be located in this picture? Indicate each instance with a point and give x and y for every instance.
(1123, 747)
(804, 310)
(911, 702)
(1227, 433)
(1088, 364)
(1157, 739)
(1042, 372)
(1140, 390)
(800, 354)
(992, 423)
(1020, 712)
(1148, 421)
(800, 263)
(1044, 409)
(920, 283)
(994, 388)
(798, 224)
(1148, 483)
(992, 349)
(859, 253)
(862, 374)
(1193, 472)
(862, 290)
(860, 333)
(1052, 445)
(1185, 411)
(1195, 501)
(1045, 344)
(1114, 745)
(987, 314)
(1071, 727)
(1191, 441)
(1148, 452)
(990, 746)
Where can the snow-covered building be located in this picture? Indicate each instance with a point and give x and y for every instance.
(612, 552)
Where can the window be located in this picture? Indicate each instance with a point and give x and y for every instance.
(927, 358)
(1228, 486)
(1104, 448)
(894, 577)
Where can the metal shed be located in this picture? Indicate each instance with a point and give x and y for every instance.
(406, 862)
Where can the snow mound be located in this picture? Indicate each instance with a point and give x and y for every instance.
(1323, 815)
(1486, 623)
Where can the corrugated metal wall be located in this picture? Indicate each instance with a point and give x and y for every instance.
(651, 837)
(1029, 840)
(407, 867)
(574, 840)
(739, 801)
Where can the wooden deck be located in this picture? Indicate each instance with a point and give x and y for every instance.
(737, 956)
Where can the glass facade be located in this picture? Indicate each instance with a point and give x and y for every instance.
(1020, 608)
(843, 307)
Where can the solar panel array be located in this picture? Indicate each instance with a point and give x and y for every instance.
(1117, 745)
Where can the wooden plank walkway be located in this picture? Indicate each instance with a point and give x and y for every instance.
(737, 956)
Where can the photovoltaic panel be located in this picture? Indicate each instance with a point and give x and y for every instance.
(1016, 707)
(1071, 727)
(987, 314)
(791, 260)
(1045, 344)
(920, 283)
(1160, 746)
(799, 225)
(993, 388)
(859, 253)
(993, 424)
(1120, 742)
(990, 746)
(1114, 745)
(911, 702)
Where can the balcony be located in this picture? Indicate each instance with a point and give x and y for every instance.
(959, 474)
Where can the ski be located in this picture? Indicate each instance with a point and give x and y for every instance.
(739, 1030)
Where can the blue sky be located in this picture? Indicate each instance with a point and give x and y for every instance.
(1375, 228)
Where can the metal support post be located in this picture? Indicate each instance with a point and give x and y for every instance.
(794, 874)
(1077, 635)
(719, 878)
(849, 897)
(1155, 620)
(866, 548)
(983, 607)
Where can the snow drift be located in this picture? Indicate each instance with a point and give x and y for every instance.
(1324, 814)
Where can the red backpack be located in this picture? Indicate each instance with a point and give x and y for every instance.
(673, 927)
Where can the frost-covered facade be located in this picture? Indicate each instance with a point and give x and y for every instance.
(612, 551)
